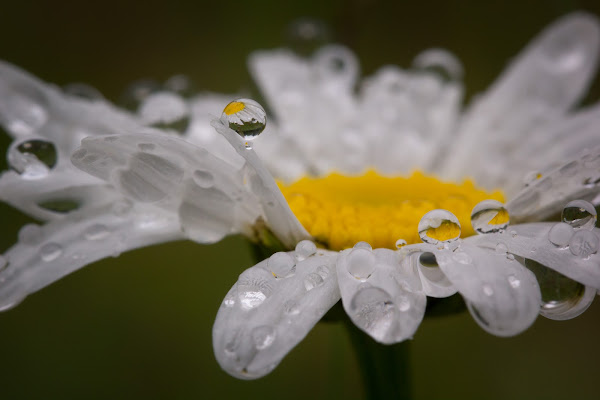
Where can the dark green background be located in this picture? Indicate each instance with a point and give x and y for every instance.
(139, 326)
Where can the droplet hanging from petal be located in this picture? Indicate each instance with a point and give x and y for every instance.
(246, 117)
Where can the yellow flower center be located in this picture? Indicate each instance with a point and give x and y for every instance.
(339, 211)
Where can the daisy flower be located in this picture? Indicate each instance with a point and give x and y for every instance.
(383, 196)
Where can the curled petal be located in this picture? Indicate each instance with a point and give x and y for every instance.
(46, 254)
(377, 297)
(418, 260)
(270, 309)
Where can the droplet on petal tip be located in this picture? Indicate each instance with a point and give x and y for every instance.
(246, 117)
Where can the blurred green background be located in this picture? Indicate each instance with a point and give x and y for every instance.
(139, 326)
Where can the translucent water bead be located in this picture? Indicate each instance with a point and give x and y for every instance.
(32, 159)
(439, 226)
(489, 216)
(246, 117)
(580, 214)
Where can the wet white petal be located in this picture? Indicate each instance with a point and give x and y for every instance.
(418, 261)
(263, 317)
(376, 296)
(65, 245)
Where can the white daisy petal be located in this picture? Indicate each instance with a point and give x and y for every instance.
(553, 249)
(166, 171)
(576, 178)
(377, 297)
(263, 317)
(544, 82)
(502, 296)
(46, 254)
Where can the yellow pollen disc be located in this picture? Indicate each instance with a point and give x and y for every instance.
(234, 107)
(339, 211)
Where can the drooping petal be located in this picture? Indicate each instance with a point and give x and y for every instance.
(576, 178)
(270, 309)
(539, 87)
(48, 253)
(418, 260)
(376, 295)
(561, 250)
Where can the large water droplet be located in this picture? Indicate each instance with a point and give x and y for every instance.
(32, 159)
(280, 264)
(439, 226)
(263, 336)
(253, 292)
(361, 263)
(246, 117)
(584, 243)
(489, 216)
(373, 310)
(50, 251)
(305, 249)
(560, 234)
(580, 214)
(559, 293)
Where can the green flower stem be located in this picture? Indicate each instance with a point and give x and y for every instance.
(385, 369)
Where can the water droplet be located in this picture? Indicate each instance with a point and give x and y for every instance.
(204, 179)
(246, 117)
(400, 243)
(559, 293)
(513, 281)
(580, 214)
(487, 290)
(30, 234)
(32, 159)
(501, 248)
(97, 232)
(305, 249)
(439, 226)
(489, 216)
(281, 264)
(560, 234)
(50, 252)
(263, 336)
(312, 281)
(373, 311)
(362, 245)
(253, 292)
(305, 35)
(165, 110)
(290, 307)
(439, 62)
(361, 263)
(584, 243)
(82, 91)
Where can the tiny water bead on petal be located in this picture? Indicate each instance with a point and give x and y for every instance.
(560, 234)
(246, 117)
(439, 226)
(400, 243)
(580, 214)
(489, 216)
(361, 263)
(32, 159)
(305, 249)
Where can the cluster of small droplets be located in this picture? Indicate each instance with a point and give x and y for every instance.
(439, 227)
(576, 229)
(246, 117)
(361, 261)
(489, 216)
(32, 158)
